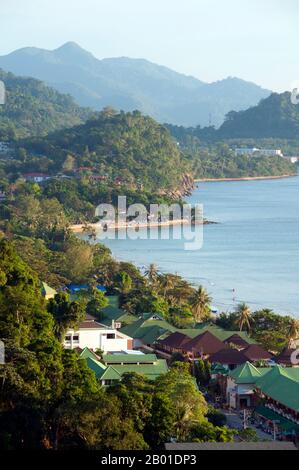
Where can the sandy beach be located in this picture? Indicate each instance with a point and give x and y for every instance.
(79, 228)
(245, 178)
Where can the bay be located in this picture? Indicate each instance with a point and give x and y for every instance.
(251, 255)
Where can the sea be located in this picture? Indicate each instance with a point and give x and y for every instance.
(251, 255)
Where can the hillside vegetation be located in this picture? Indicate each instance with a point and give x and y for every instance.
(130, 146)
(32, 109)
(275, 117)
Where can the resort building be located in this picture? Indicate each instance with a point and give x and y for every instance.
(230, 358)
(272, 393)
(291, 159)
(256, 152)
(236, 341)
(111, 367)
(286, 357)
(203, 346)
(153, 333)
(36, 177)
(173, 343)
(96, 336)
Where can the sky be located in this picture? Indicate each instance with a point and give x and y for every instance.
(256, 40)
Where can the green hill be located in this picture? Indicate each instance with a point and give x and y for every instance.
(274, 117)
(127, 145)
(32, 109)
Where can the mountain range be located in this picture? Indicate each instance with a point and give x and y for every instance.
(129, 84)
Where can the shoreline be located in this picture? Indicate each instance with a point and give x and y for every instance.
(79, 228)
(243, 178)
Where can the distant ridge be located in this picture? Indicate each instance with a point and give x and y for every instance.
(275, 117)
(129, 84)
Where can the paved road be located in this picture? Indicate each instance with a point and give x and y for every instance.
(234, 421)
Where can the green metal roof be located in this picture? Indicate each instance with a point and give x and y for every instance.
(113, 312)
(103, 372)
(283, 423)
(281, 385)
(151, 330)
(222, 334)
(151, 371)
(111, 374)
(148, 330)
(245, 374)
(97, 367)
(129, 358)
(218, 369)
(86, 352)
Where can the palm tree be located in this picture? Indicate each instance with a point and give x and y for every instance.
(293, 331)
(200, 303)
(152, 274)
(124, 283)
(243, 316)
(167, 282)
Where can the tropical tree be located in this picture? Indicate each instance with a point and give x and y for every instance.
(243, 316)
(124, 283)
(97, 302)
(200, 303)
(189, 404)
(65, 313)
(167, 282)
(152, 274)
(293, 331)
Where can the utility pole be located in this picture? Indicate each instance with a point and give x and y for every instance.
(275, 428)
(245, 418)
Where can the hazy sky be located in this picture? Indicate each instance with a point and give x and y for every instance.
(211, 39)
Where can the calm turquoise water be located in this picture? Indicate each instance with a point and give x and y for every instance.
(254, 249)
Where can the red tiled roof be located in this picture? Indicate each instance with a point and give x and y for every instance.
(237, 340)
(89, 317)
(229, 356)
(205, 343)
(89, 322)
(175, 340)
(254, 352)
(285, 357)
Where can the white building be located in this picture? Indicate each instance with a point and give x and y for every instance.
(291, 159)
(36, 177)
(256, 152)
(93, 335)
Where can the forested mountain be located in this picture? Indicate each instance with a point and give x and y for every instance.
(130, 84)
(275, 117)
(129, 146)
(32, 108)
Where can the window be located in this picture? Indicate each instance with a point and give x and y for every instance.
(110, 335)
(68, 338)
(76, 338)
